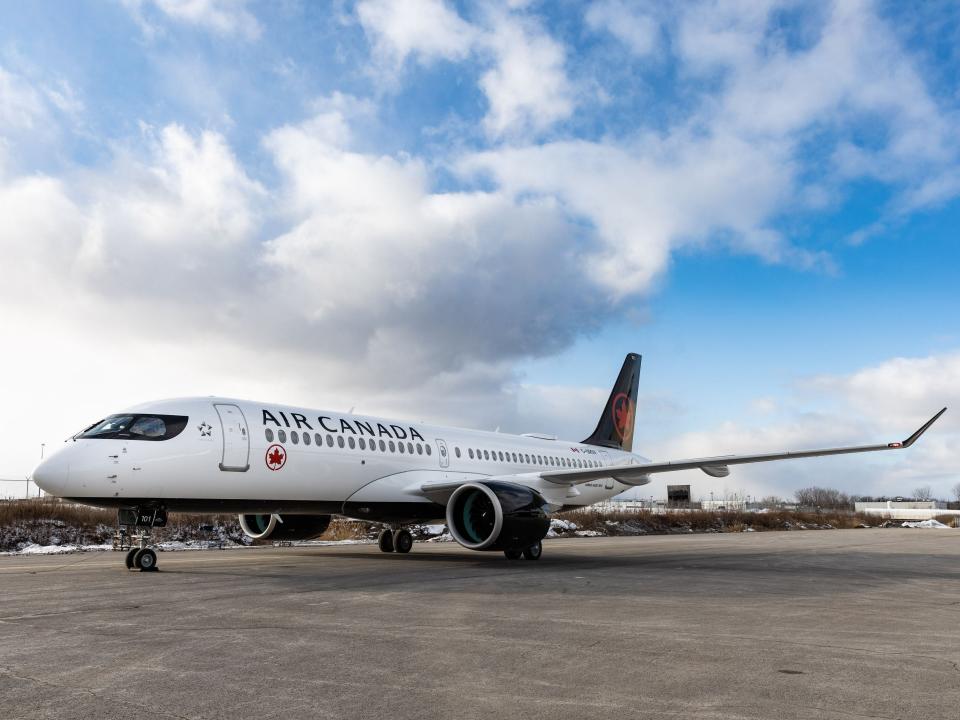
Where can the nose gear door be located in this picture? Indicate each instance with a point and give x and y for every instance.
(236, 441)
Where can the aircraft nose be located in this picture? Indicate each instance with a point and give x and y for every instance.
(52, 474)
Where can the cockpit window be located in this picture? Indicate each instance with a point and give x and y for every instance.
(137, 427)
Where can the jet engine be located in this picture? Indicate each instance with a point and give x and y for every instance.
(497, 515)
(287, 527)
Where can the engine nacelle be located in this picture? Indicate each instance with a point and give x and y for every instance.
(497, 515)
(287, 527)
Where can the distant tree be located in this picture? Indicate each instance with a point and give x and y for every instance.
(823, 498)
(772, 501)
(956, 491)
(923, 493)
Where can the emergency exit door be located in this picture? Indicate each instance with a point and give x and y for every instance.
(236, 440)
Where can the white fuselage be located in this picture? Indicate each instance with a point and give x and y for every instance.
(240, 456)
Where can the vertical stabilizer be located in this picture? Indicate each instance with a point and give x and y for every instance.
(615, 429)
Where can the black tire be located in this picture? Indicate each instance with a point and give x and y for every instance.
(145, 560)
(385, 541)
(534, 551)
(402, 541)
(128, 560)
(513, 554)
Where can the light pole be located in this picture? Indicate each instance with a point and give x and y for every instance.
(42, 446)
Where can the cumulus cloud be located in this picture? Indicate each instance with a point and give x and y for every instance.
(224, 17)
(525, 81)
(429, 29)
(636, 27)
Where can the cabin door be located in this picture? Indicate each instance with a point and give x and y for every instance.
(236, 440)
(443, 453)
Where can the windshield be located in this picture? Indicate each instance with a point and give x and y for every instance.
(136, 427)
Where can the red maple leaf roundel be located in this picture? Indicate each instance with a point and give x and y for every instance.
(276, 457)
(622, 415)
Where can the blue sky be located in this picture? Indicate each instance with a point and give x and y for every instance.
(470, 212)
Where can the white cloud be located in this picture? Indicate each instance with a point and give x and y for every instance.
(426, 28)
(525, 81)
(631, 25)
(527, 87)
(21, 106)
(224, 17)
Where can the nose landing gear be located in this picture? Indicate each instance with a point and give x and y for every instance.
(141, 556)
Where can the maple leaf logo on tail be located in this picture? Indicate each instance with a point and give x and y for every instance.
(623, 416)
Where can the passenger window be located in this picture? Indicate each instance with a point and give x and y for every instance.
(294, 437)
(410, 448)
(281, 436)
(420, 450)
(429, 451)
(486, 455)
(306, 438)
(383, 446)
(269, 433)
(400, 447)
(501, 455)
(470, 453)
(329, 440)
(340, 442)
(456, 451)
(318, 439)
(351, 442)
(362, 443)
(393, 448)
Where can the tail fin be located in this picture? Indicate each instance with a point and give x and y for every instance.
(615, 429)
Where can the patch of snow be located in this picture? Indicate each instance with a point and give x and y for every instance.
(445, 537)
(34, 549)
(748, 529)
(929, 524)
(434, 529)
(558, 524)
(588, 533)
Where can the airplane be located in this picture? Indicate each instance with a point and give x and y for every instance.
(286, 470)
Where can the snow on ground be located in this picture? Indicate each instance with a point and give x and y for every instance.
(34, 549)
(930, 524)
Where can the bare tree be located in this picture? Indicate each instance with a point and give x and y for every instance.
(823, 498)
(956, 491)
(923, 493)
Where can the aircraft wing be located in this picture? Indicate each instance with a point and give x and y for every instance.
(717, 466)
(639, 473)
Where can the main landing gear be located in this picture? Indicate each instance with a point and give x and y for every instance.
(390, 540)
(531, 553)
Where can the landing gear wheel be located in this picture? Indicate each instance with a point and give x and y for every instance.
(145, 560)
(402, 541)
(513, 554)
(128, 560)
(385, 541)
(534, 551)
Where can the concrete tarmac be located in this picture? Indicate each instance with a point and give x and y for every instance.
(815, 624)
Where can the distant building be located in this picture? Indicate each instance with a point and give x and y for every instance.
(905, 510)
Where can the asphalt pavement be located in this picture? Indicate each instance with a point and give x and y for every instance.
(807, 624)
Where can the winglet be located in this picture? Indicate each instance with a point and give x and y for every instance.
(913, 438)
